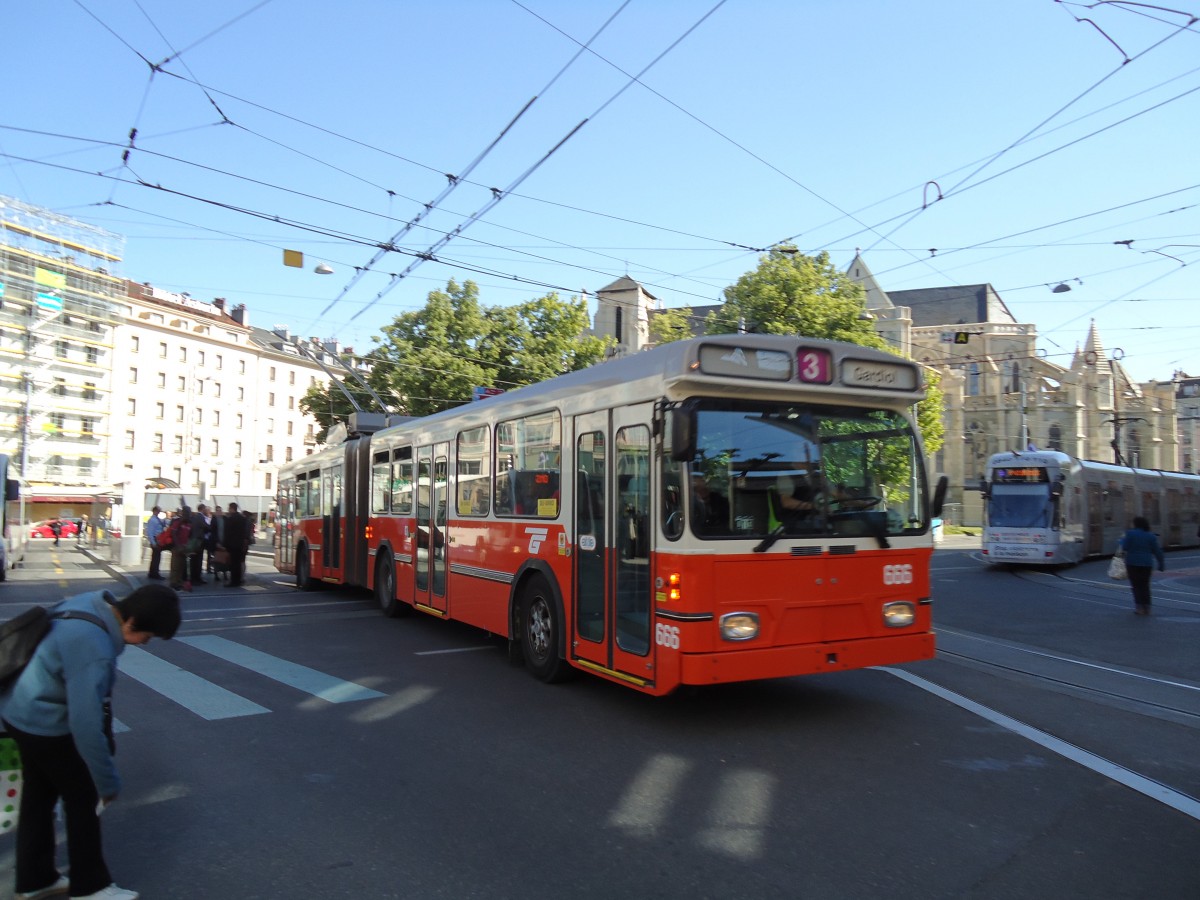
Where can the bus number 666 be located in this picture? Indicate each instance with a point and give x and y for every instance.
(899, 574)
(666, 635)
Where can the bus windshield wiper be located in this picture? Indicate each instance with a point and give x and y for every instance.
(769, 541)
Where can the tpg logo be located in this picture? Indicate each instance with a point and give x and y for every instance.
(536, 536)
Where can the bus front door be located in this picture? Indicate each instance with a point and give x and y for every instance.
(611, 623)
(430, 562)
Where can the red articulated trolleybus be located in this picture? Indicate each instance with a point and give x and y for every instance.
(719, 509)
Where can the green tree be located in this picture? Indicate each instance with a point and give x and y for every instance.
(671, 325)
(790, 293)
(431, 359)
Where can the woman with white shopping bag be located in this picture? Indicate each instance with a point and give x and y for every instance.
(1141, 548)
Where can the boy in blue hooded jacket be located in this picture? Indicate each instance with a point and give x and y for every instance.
(57, 712)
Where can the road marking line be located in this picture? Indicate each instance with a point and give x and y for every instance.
(1177, 800)
(205, 699)
(326, 687)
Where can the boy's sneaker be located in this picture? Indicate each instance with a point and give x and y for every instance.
(112, 892)
(57, 889)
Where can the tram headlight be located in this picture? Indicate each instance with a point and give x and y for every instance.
(899, 614)
(739, 626)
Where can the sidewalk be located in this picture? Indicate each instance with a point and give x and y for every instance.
(959, 542)
(136, 578)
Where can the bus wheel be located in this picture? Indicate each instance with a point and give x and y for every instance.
(304, 579)
(385, 587)
(539, 632)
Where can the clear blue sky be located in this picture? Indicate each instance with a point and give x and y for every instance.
(814, 121)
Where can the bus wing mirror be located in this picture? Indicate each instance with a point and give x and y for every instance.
(683, 432)
(1056, 489)
(983, 487)
(939, 497)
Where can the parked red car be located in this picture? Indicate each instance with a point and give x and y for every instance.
(43, 529)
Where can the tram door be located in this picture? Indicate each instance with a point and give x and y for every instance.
(432, 498)
(611, 623)
(331, 522)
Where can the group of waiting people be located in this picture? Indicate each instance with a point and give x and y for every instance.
(198, 542)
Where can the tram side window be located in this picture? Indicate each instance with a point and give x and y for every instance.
(528, 460)
(402, 483)
(381, 482)
(474, 456)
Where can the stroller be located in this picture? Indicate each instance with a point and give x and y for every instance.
(220, 564)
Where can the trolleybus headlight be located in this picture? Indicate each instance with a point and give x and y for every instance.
(739, 626)
(899, 614)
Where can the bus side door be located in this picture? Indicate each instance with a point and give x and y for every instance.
(331, 522)
(611, 619)
(431, 512)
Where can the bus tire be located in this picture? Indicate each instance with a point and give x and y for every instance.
(540, 628)
(304, 579)
(385, 587)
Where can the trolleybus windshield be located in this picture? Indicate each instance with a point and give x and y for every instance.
(765, 468)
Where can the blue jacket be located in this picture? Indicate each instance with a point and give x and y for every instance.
(1142, 548)
(154, 527)
(63, 689)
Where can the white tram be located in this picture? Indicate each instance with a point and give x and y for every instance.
(1043, 507)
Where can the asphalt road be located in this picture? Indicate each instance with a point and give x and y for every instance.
(299, 744)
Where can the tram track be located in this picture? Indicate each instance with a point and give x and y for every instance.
(1172, 699)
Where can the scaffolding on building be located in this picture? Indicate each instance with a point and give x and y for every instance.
(59, 288)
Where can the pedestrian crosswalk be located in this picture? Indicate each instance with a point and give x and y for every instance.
(211, 701)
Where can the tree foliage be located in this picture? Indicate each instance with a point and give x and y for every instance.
(433, 358)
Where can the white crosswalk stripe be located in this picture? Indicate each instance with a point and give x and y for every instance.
(211, 701)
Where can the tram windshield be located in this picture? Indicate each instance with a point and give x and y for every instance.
(1019, 507)
(765, 469)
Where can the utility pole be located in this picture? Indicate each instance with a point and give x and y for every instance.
(1117, 421)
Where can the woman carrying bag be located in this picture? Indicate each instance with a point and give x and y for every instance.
(1141, 548)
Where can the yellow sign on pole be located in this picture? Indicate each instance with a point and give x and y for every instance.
(293, 258)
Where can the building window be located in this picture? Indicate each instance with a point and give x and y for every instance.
(162, 349)
(162, 379)
(183, 358)
(216, 447)
(271, 399)
(216, 417)
(60, 349)
(133, 374)
(270, 455)
(237, 479)
(239, 425)
(57, 421)
(289, 426)
(129, 439)
(241, 367)
(87, 425)
(200, 357)
(241, 394)
(195, 446)
(212, 479)
(132, 410)
(160, 411)
(1055, 442)
(292, 377)
(220, 361)
(179, 414)
(60, 387)
(135, 345)
(195, 478)
(93, 355)
(237, 449)
(181, 383)
(267, 480)
(89, 390)
(287, 454)
(271, 375)
(291, 402)
(270, 426)
(178, 443)
(158, 444)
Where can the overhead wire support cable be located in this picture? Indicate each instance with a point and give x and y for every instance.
(497, 196)
(453, 181)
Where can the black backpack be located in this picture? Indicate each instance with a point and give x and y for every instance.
(20, 636)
